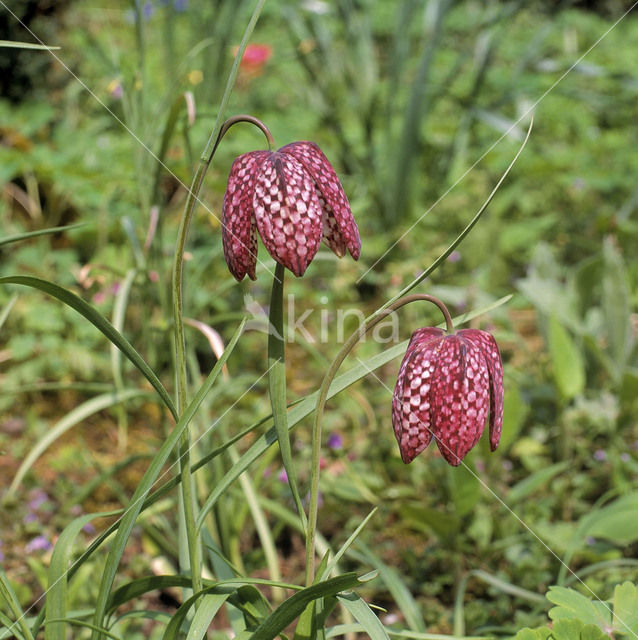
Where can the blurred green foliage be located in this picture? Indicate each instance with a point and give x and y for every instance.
(420, 106)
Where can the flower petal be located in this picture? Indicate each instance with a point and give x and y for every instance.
(239, 238)
(460, 398)
(487, 344)
(340, 229)
(411, 409)
(287, 211)
(421, 336)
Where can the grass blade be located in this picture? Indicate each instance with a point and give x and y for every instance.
(130, 515)
(40, 232)
(14, 44)
(220, 595)
(100, 323)
(396, 587)
(72, 418)
(56, 600)
(367, 619)
(346, 545)
(206, 611)
(8, 594)
(6, 310)
(292, 608)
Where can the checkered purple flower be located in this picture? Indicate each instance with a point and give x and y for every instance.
(447, 386)
(294, 199)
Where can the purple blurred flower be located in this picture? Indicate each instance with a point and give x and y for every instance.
(29, 518)
(116, 90)
(600, 455)
(335, 441)
(38, 498)
(148, 10)
(88, 528)
(455, 256)
(39, 543)
(283, 476)
(180, 5)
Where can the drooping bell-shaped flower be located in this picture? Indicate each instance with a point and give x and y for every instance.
(294, 199)
(447, 386)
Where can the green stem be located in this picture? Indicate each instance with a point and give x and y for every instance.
(277, 383)
(368, 324)
(178, 321)
(435, 265)
(9, 597)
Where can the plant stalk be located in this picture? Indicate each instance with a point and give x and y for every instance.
(188, 493)
(277, 384)
(368, 324)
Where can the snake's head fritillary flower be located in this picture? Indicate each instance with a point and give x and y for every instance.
(294, 199)
(447, 386)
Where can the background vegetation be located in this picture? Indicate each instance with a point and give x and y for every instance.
(420, 106)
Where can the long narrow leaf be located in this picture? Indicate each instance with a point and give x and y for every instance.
(14, 44)
(470, 225)
(361, 611)
(6, 310)
(292, 608)
(346, 629)
(72, 418)
(346, 545)
(130, 515)
(56, 601)
(207, 610)
(100, 323)
(8, 595)
(400, 593)
(221, 594)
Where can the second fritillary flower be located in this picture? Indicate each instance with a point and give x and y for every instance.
(294, 199)
(446, 388)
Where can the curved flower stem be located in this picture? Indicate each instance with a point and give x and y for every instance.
(277, 383)
(369, 323)
(219, 129)
(435, 265)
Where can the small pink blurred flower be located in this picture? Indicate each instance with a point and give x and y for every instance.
(88, 528)
(39, 543)
(38, 498)
(335, 442)
(115, 89)
(254, 58)
(283, 476)
(99, 297)
(455, 256)
(153, 276)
